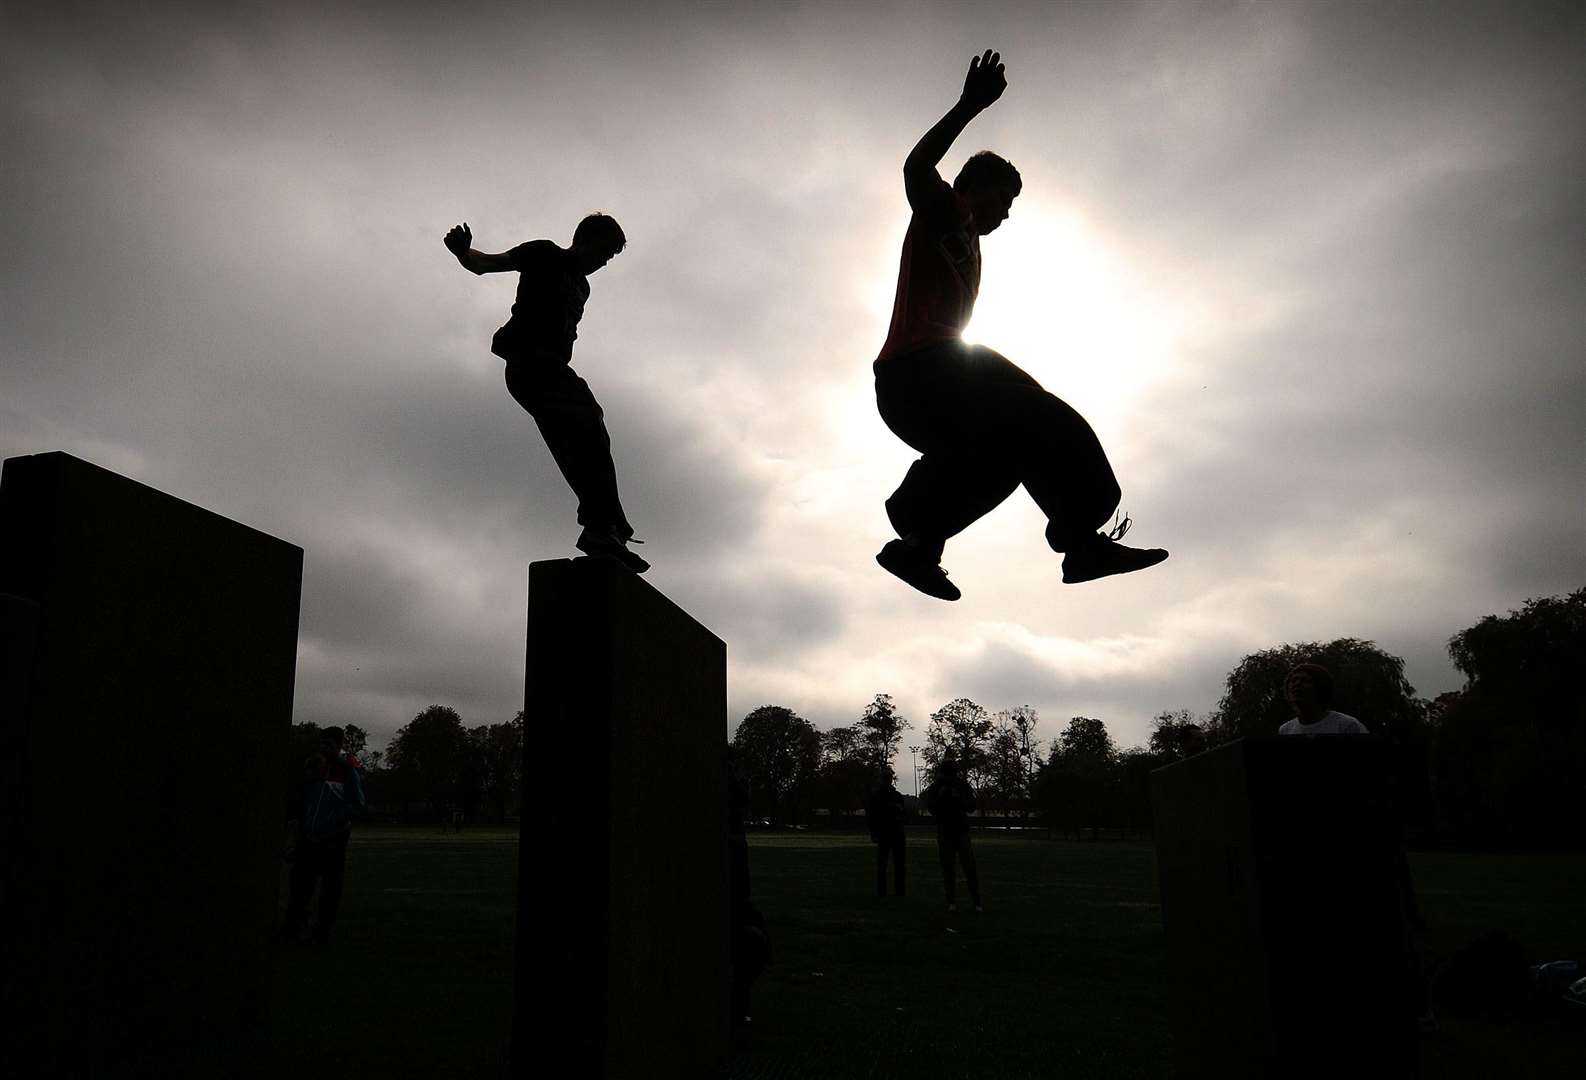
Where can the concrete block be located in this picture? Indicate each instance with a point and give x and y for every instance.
(141, 752)
(1282, 881)
(622, 918)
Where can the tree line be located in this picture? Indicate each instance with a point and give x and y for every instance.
(1498, 763)
(433, 765)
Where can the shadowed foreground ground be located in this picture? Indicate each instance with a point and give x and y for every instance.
(1062, 975)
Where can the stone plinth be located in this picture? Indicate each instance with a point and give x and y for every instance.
(622, 887)
(1282, 886)
(150, 653)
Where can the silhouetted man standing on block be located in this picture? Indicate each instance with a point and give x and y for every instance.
(537, 344)
(982, 425)
(887, 815)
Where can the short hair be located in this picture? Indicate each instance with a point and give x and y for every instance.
(986, 169)
(334, 734)
(1320, 678)
(601, 228)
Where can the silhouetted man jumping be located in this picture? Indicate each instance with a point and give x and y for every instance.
(982, 425)
(537, 344)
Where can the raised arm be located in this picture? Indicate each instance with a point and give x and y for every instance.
(459, 240)
(983, 85)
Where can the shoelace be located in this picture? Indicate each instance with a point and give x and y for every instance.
(1119, 528)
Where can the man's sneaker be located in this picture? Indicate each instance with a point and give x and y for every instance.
(952, 907)
(1105, 556)
(605, 544)
(918, 569)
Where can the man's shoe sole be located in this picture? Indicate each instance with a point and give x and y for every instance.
(1147, 557)
(897, 559)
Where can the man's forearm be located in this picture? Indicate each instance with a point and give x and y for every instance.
(935, 143)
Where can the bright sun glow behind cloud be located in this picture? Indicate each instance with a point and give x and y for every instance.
(1056, 300)
(1062, 302)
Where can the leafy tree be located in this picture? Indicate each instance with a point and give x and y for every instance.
(1075, 788)
(429, 753)
(779, 752)
(355, 741)
(963, 729)
(1085, 740)
(1132, 790)
(842, 744)
(493, 775)
(1176, 735)
(1538, 651)
(847, 769)
(1368, 684)
(883, 728)
(1509, 749)
(1010, 755)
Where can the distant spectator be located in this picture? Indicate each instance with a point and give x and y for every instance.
(950, 801)
(321, 812)
(749, 944)
(1310, 692)
(887, 816)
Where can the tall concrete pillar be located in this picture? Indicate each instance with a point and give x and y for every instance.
(622, 879)
(150, 648)
(1283, 891)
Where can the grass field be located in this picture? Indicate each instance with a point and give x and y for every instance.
(1062, 976)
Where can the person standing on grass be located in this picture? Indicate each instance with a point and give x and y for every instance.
(887, 816)
(321, 811)
(1309, 688)
(748, 940)
(981, 424)
(1310, 692)
(950, 801)
(537, 344)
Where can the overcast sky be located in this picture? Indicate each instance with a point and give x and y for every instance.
(1314, 273)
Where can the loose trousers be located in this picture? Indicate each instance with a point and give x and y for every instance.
(574, 427)
(983, 427)
(324, 862)
(951, 844)
(896, 846)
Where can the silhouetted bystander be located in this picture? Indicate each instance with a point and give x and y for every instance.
(1310, 692)
(749, 943)
(950, 801)
(887, 816)
(321, 813)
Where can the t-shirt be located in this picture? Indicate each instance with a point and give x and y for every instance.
(938, 275)
(950, 802)
(550, 302)
(1331, 723)
(886, 812)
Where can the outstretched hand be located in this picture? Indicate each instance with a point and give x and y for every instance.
(459, 239)
(985, 82)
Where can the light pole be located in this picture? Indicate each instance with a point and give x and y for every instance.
(912, 751)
